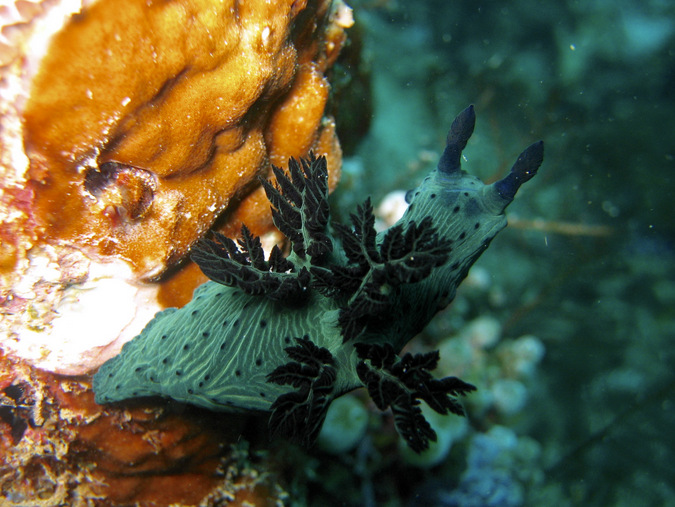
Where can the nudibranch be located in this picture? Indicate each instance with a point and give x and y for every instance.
(288, 335)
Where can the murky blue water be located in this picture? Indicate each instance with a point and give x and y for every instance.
(588, 264)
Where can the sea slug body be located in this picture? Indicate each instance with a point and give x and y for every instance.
(288, 335)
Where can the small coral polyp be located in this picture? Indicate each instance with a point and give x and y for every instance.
(290, 334)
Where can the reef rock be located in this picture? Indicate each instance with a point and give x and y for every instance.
(128, 127)
(57, 447)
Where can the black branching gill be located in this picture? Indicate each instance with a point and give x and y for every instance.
(288, 335)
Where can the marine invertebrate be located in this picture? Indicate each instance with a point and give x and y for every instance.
(288, 335)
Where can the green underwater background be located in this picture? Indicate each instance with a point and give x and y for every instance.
(566, 323)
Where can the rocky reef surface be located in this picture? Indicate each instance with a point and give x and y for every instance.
(128, 129)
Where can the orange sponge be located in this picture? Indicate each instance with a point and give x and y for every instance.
(147, 120)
